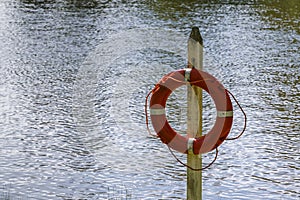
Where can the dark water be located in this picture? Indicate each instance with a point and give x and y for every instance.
(73, 80)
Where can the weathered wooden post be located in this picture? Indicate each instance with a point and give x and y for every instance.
(194, 116)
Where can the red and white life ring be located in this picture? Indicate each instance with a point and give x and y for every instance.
(212, 86)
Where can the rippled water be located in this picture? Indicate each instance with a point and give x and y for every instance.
(73, 81)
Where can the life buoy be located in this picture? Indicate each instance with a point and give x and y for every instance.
(212, 86)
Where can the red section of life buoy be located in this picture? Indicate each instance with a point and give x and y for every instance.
(214, 88)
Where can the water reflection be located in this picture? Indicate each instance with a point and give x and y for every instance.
(281, 14)
(46, 4)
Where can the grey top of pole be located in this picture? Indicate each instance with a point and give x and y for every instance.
(195, 35)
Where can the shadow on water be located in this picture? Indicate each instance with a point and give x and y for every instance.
(281, 14)
(79, 4)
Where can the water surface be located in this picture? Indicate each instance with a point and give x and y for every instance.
(73, 81)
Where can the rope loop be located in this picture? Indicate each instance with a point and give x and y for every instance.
(245, 118)
(146, 110)
(191, 168)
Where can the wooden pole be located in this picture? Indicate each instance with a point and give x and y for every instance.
(194, 116)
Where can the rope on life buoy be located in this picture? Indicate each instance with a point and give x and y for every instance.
(245, 118)
(194, 169)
